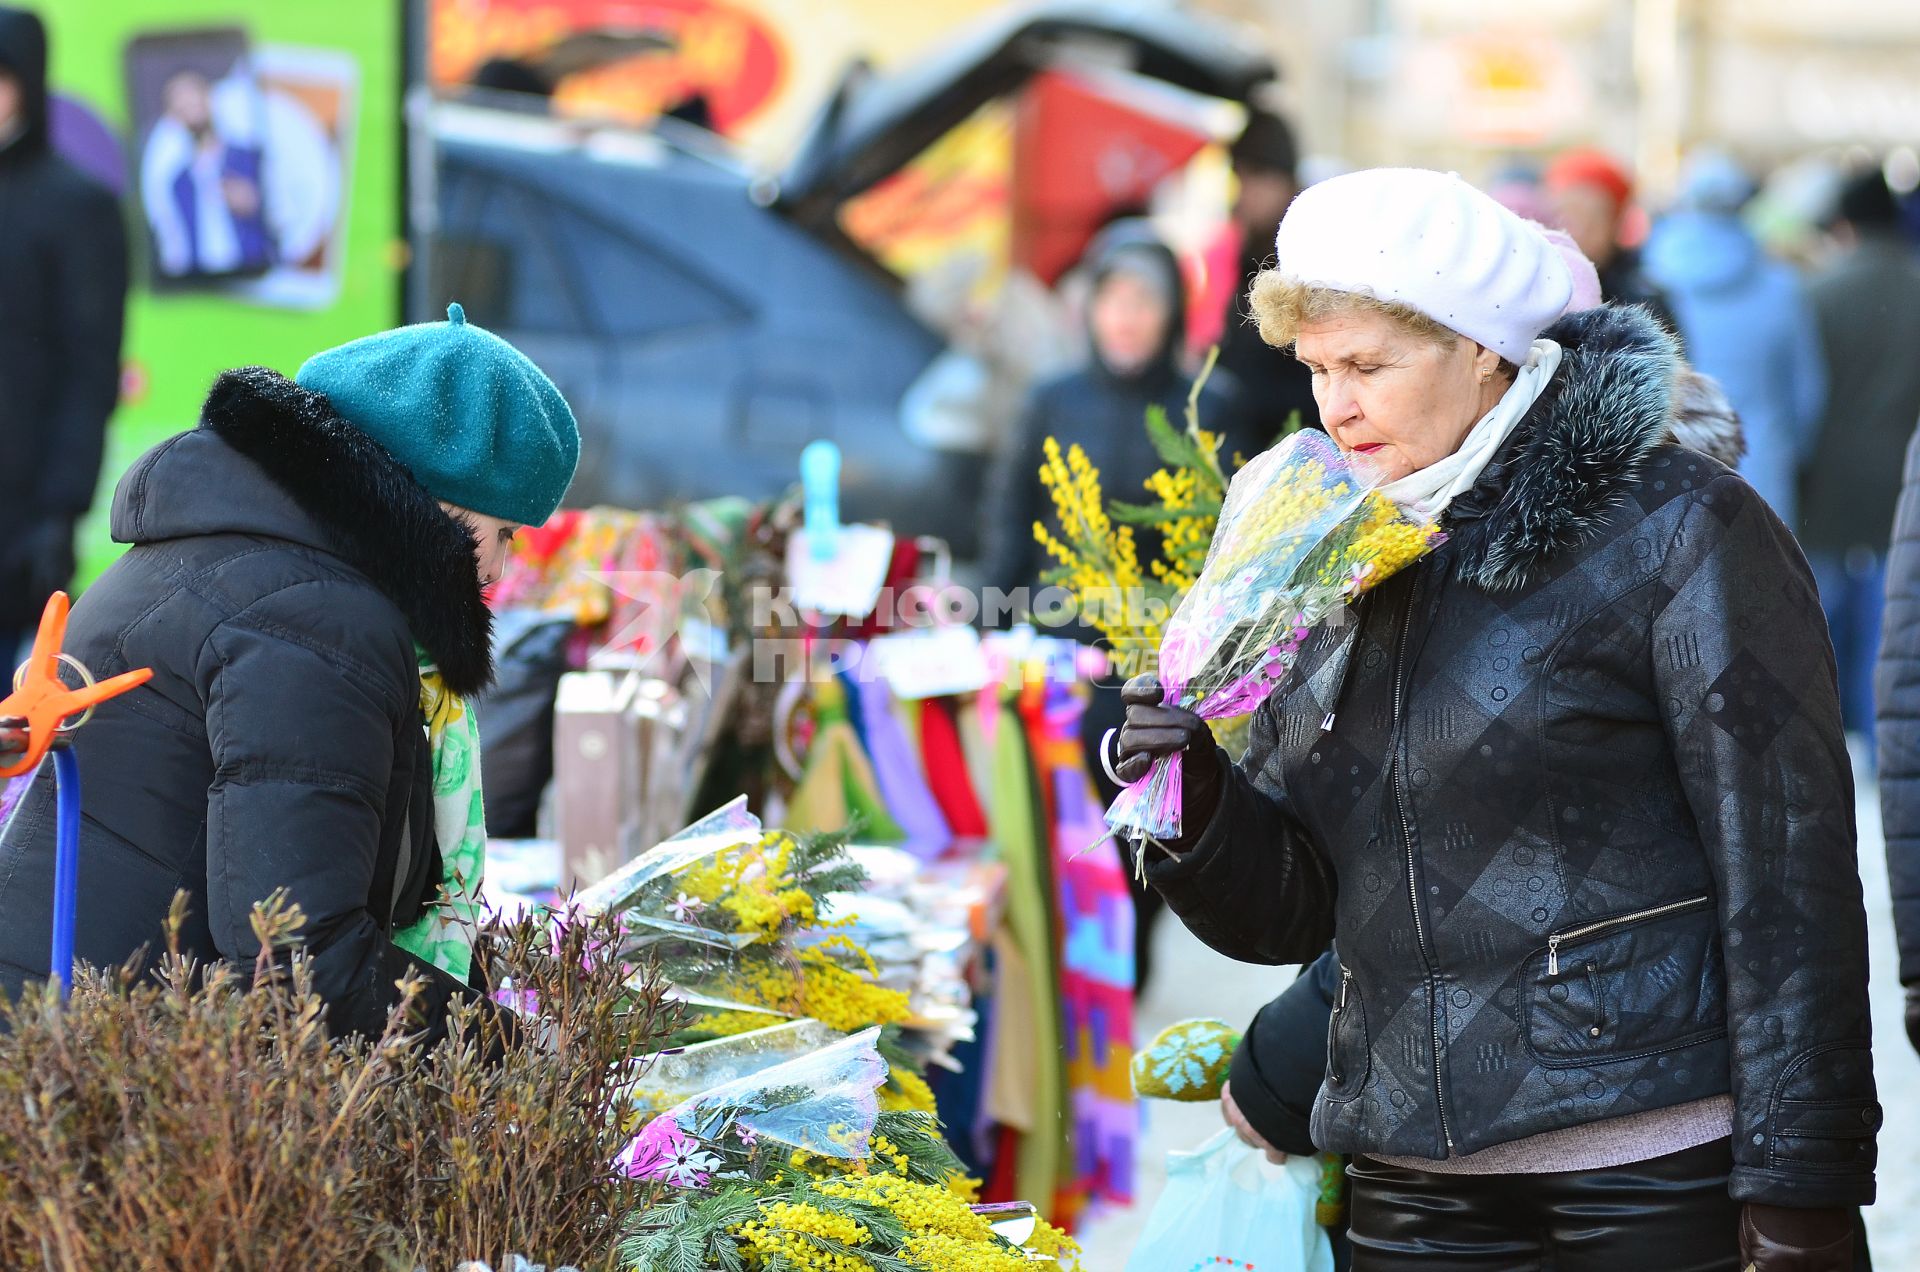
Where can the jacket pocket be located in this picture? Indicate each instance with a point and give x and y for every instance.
(1631, 985)
(1349, 1051)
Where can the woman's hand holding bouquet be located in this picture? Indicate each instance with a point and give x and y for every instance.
(1300, 536)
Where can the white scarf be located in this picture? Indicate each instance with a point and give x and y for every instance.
(1424, 495)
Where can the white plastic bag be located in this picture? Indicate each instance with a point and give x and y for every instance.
(1227, 1206)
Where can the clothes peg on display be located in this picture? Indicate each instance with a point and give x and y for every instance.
(35, 719)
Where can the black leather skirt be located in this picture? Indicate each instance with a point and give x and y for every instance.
(1671, 1213)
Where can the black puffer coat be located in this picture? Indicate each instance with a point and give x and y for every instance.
(1583, 819)
(283, 566)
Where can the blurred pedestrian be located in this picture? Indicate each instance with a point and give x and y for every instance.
(306, 581)
(1590, 193)
(1897, 730)
(1517, 188)
(1867, 306)
(1134, 308)
(1275, 386)
(1748, 323)
(63, 289)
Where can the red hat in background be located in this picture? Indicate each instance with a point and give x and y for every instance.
(1589, 167)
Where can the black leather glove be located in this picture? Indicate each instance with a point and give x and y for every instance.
(1153, 730)
(1780, 1239)
(1913, 1016)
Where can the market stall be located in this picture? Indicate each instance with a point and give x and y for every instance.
(692, 655)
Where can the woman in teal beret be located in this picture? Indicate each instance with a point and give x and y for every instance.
(305, 580)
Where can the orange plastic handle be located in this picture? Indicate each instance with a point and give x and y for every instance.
(43, 700)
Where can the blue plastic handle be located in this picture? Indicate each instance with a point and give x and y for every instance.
(820, 486)
(66, 867)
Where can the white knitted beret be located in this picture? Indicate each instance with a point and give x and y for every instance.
(1433, 243)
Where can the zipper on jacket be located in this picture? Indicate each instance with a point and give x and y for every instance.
(1339, 1010)
(1406, 835)
(1598, 1026)
(1348, 649)
(1607, 925)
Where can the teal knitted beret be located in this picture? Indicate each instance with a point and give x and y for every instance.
(475, 421)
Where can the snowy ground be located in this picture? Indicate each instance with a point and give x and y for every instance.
(1193, 981)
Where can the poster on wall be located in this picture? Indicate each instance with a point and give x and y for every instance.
(256, 149)
(241, 156)
(308, 97)
(196, 112)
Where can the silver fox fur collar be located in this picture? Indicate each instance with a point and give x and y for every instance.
(1622, 391)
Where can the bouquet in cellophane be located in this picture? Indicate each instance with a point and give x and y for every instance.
(1301, 534)
(796, 1166)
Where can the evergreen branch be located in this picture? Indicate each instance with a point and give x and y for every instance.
(1160, 515)
(930, 1160)
(887, 1229)
(895, 1053)
(872, 1258)
(1176, 449)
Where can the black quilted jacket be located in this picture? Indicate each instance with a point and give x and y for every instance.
(284, 566)
(1574, 798)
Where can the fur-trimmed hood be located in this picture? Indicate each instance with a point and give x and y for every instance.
(276, 460)
(1622, 390)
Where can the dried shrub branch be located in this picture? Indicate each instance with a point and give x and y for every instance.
(201, 1119)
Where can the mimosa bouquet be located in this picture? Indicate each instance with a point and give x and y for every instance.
(797, 1166)
(751, 927)
(1300, 535)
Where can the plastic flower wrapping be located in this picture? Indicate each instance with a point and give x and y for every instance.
(752, 928)
(1301, 534)
(678, 1074)
(822, 1102)
(797, 1166)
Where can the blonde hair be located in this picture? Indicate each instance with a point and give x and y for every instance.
(1283, 305)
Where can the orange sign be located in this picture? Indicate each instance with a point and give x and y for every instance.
(726, 54)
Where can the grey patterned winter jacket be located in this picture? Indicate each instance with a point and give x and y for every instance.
(1575, 800)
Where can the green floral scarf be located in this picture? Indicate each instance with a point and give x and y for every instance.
(444, 936)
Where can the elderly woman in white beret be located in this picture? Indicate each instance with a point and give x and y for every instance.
(1570, 797)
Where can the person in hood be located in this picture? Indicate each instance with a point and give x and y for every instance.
(1589, 194)
(1570, 793)
(1134, 308)
(63, 291)
(1748, 323)
(305, 580)
(1135, 302)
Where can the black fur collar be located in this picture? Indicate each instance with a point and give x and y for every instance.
(375, 515)
(1577, 451)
